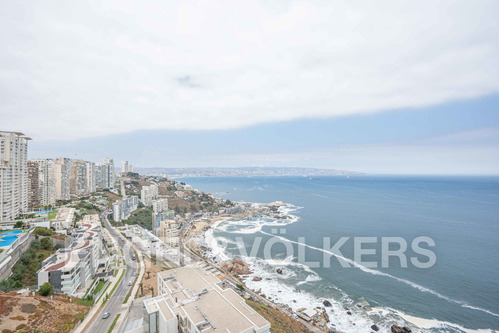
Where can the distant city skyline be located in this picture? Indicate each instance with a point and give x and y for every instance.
(453, 138)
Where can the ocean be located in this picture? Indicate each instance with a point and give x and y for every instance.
(458, 216)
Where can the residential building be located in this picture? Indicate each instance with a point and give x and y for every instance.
(193, 299)
(70, 270)
(123, 208)
(100, 175)
(168, 232)
(64, 219)
(33, 185)
(160, 213)
(148, 194)
(46, 182)
(110, 173)
(13, 174)
(91, 180)
(62, 175)
(160, 205)
(124, 166)
(127, 167)
(78, 178)
(105, 174)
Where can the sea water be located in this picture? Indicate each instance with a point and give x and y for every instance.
(460, 214)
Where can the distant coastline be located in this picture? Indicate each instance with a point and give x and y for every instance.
(243, 171)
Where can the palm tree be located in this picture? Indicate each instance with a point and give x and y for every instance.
(148, 272)
(152, 291)
(142, 289)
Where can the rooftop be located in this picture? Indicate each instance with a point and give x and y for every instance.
(67, 258)
(196, 292)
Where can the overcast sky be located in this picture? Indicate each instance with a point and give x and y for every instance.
(385, 87)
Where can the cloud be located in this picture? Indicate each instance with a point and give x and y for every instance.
(86, 69)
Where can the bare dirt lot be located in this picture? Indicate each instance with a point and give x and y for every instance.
(151, 282)
(39, 314)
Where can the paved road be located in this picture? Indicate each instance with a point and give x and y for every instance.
(114, 304)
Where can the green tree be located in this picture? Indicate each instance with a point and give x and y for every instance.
(46, 243)
(35, 244)
(45, 289)
(18, 225)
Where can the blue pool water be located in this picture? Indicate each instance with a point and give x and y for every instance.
(43, 212)
(13, 232)
(7, 240)
(9, 237)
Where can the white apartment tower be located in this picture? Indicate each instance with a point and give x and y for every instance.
(125, 166)
(62, 173)
(109, 173)
(148, 194)
(91, 176)
(13, 174)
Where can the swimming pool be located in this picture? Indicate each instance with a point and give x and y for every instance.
(9, 237)
(13, 232)
(43, 212)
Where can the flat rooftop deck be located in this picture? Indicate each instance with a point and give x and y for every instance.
(194, 291)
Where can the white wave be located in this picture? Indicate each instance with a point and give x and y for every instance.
(213, 243)
(279, 292)
(379, 273)
(250, 226)
(437, 324)
(310, 278)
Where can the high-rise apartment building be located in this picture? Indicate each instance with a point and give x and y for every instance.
(91, 180)
(46, 191)
(13, 174)
(62, 174)
(148, 194)
(108, 176)
(78, 177)
(125, 166)
(33, 185)
(123, 208)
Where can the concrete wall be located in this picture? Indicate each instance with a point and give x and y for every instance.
(64, 243)
(13, 255)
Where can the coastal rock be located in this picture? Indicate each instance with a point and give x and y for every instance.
(279, 271)
(326, 303)
(374, 327)
(257, 278)
(236, 267)
(399, 329)
(276, 204)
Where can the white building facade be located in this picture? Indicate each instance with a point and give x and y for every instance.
(123, 208)
(148, 194)
(62, 174)
(13, 174)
